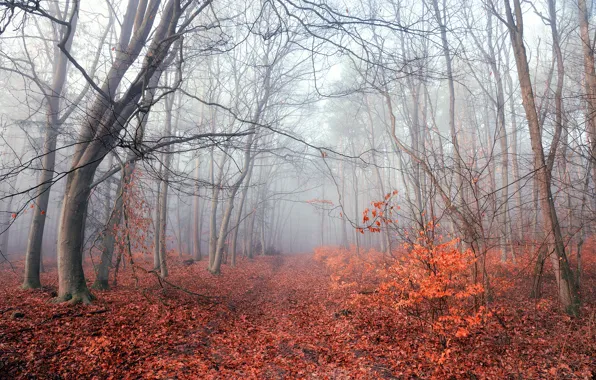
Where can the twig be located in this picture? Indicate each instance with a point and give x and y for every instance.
(5, 310)
(53, 317)
(210, 299)
(499, 319)
(68, 346)
(60, 315)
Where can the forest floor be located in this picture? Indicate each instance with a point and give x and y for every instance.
(274, 317)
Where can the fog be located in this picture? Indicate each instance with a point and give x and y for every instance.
(238, 129)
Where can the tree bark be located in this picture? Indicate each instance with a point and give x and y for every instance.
(35, 240)
(104, 123)
(156, 229)
(233, 248)
(102, 279)
(504, 145)
(71, 278)
(53, 109)
(590, 80)
(441, 20)
(5, 230)
(568, 295)
(163, 198)
(197, 255)
(109, 239)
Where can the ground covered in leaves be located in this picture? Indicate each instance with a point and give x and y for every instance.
(276, 317)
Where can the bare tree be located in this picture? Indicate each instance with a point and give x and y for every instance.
(552, 230)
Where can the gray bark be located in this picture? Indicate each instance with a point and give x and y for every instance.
(163, 197)
(564, 277)
(53, 109)
(233, 248)
(196, 236)
(98, 134)
(590, 79)
(156, 229)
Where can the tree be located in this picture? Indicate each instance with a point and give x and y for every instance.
(552, 230)
(95, 141)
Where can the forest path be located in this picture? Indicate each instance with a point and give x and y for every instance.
(283, 322)
(276, 317)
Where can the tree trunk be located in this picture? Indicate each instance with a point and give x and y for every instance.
(356, 211)
(556, 249)
(163, 218)
(213, 216)
(504, 145)
(163, 202)
(156, 227)
(5, 230)
(452, 128)
(514, 156)
(263, 243)
(385, 235)
(34, 242)
(233, 248)
(590, 79)
(251, 234)
(344, 227)
(71, 278)
(197, 255)
(323, 219)
(178, 224)
(109, 240)
(103, 125)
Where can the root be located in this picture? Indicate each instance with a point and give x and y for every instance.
(27, 285)
(100, 285)
(85, 297)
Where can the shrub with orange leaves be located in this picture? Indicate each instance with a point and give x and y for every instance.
(381, 214)
(433, 283)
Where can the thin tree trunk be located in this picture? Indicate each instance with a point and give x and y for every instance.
(514, 155)
(452, 128)
(344, 228)
(178, 223)
(109, 240)
(233, 248)
(35, 240)
(197, 254)
(564, 276)
(590, 79)
(5, 230)
(323, 219)
(251, 233)
(385, 236)
(262, 234)
(214, 204)
(504, 145)
(356, 212)
(156, 226)
(163, 203)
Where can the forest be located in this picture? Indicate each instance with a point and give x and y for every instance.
(313, 189)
